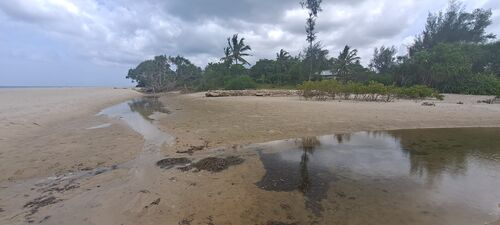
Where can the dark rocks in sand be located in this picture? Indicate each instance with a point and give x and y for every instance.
(214, 164)
(168, 163)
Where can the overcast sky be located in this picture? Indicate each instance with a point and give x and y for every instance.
(95, 42)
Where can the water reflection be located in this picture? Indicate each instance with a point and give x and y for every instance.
(147, 106)
(454, 170)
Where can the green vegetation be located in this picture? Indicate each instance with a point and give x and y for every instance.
(373, 91)
(240, 83)
(453, 54)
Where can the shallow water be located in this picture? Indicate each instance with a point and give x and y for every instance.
(425, 176)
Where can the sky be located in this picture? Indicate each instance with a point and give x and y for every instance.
(96, 42)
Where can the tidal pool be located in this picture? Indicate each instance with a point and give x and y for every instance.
(424, 176)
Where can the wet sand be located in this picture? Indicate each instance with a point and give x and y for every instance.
(229, 121)
(44, 131)
(137, 191)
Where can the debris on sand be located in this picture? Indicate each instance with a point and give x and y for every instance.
(260, 93)
(155, 202)
(214, 164)
(428, 104)
(40, 202)
(194, 148)
(279, 223)
(44, 219)
(186, 221)
(168, 163)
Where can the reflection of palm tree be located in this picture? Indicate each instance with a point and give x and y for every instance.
(342, 137)
(308, 146)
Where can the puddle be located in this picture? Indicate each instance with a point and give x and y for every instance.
(428, 176)
(147, 106)
(136, 113)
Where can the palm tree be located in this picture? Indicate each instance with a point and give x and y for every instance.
(228, 58)
(236, 50)
(282, 56)
(347, 57)
(317, 57)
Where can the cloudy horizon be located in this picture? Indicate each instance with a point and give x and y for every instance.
(95, 42)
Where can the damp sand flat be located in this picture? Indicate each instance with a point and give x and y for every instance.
(43, 131)
(243, 120)
(349, 179)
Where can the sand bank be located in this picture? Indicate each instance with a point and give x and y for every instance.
(228, 121)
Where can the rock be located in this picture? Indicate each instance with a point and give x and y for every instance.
(460, 103)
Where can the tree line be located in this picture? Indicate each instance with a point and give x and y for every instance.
(453, 54)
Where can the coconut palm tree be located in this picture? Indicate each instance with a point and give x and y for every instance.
(282, 56)
(347, 57)
(228, 58)
(236, 50)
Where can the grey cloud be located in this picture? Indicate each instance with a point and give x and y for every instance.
(127, 31)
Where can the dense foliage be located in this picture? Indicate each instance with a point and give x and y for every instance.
(453, 54)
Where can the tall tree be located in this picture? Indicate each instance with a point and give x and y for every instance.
(314, 7)
(154, 74)
(343, 64)
(317, 57)
(227, 59)
(454, 25)
(186, 73)
(384, 59)
(282, 55)
(236, 50)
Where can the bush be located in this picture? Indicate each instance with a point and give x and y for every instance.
(240, 83)
(373, 91)
(418, 92)
(480, 85)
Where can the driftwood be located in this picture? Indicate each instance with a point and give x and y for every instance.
(490, 101)
(428, 104)
(260, 93)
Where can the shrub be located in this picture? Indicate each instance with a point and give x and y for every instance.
(373, 91)
(480, 85)
(240, 83)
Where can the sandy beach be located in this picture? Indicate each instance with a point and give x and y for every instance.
(63, 164)
(228, 121)
(44, 131)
